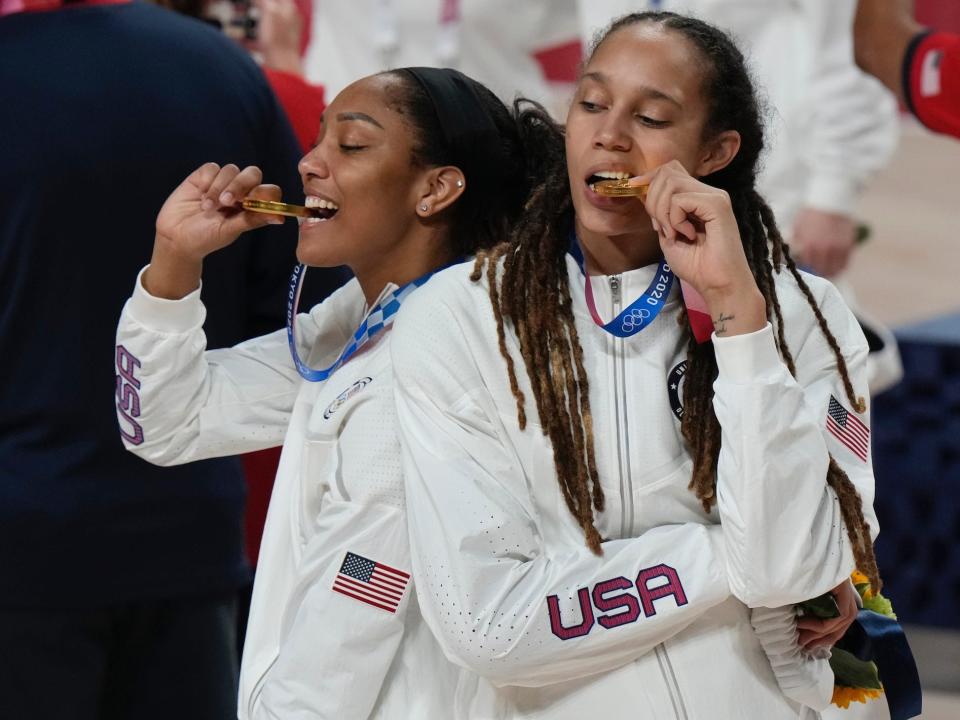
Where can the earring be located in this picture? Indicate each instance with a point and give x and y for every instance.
(423, 208)
(459, 183)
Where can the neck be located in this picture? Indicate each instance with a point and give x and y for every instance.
(615, 254)
(400, 267)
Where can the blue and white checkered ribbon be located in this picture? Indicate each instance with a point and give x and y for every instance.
(380, 317)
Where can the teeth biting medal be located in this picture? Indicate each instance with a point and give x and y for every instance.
(273, 207)
(620, 188)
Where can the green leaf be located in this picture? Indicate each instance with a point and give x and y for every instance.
(849, 671)
(879, 604)
(823, 607)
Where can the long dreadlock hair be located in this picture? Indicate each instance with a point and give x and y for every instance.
(533, 292)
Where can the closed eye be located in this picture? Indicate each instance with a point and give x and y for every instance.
(352, 148)
(589, 106)
(652, 122)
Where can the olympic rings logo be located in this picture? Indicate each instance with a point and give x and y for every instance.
(635, 319)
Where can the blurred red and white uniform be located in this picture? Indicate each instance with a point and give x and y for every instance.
(501, 43)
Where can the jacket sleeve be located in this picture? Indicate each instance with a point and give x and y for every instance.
(850, 119)
(177, 402)
(502, 603)
(786, 540)
(336, 650)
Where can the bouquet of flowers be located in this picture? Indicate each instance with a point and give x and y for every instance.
(855, 680)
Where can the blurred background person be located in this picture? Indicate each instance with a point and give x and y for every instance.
(509, 46)
(831, 128)
(920, 65)
(118, 591)
(275, 34)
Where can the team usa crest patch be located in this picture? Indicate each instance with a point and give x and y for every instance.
(675, 388)
(346, 395)
(371, 582)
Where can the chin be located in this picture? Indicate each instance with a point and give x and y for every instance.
(606, 223)
(313, 254)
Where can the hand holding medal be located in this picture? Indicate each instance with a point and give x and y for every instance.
(202, 215)
(701, 242)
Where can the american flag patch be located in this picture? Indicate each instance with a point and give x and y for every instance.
(848, 429)
(371, 582)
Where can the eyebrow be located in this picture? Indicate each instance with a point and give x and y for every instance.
(650, 92)
(348, 116)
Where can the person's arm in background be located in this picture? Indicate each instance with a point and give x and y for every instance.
(853, 131)
(279, 32)
(279, 41)
(920, 65)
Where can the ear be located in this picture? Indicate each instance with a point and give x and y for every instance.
(719, 152)
(441, 187)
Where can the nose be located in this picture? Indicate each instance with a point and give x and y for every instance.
(611, 134)
(313, 164)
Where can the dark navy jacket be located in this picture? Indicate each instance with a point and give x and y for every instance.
(104, 110)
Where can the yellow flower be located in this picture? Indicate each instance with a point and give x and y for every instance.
(843, 696)
(859, 578)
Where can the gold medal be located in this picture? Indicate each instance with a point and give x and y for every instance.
(620, 188)
(273, 207)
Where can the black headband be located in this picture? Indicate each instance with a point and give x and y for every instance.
(468, 129)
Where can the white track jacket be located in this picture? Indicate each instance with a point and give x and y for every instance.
(311, 651)
(659, 627)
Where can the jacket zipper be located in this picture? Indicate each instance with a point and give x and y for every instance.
(626, 485)
(619, 405)
(670, 678)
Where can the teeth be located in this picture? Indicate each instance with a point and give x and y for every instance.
(316, 202)
(611, 175)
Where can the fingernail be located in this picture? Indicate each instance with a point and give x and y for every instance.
(275, 221)
(207, 204)
(226, 198)
(656, 225)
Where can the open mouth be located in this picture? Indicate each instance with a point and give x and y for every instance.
(321, 208)
(593, 179)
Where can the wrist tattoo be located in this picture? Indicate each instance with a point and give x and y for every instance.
(720, 323)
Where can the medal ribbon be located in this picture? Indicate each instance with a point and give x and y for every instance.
(641, 312)
(879, 638)
(380, 317)
(697, 315)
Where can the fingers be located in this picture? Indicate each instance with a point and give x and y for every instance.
(230, 186)
(683, 215)
(836, 260)
(826, 260)
(810, 640)
(819, 627)
(675, 200)
(824, 240)
(203, 177)
(263, 192)
(814, 632)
